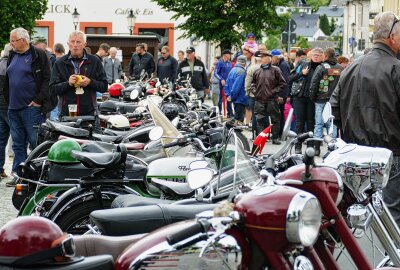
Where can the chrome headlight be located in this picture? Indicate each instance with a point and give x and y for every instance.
(303, 219)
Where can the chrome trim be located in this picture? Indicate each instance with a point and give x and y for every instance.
(302, 263)
(293, 217)
(340, 188)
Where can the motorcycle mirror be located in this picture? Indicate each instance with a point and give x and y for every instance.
(156, 133)
(286, 127)
(327, 112)
(134, 94)
(198, 164)
(198, 178)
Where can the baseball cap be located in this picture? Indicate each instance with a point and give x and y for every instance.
(276, 52)
(190, 49)
(251, 35)
(226, 51)
(241, 59)
(262, 53)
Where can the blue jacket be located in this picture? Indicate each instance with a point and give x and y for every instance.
(222, 70)
(235, 85)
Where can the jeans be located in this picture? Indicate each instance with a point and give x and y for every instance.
(228, 104)
(54, 114)
(24, 124)
(391, 193)
(4, 135)
(319, 123)
(239, 111)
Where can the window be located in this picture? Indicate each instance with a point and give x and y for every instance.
(96, 30)
(99, 28)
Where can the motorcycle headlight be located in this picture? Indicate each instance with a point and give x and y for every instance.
(303, 219)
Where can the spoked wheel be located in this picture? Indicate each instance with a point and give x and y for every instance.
(76, 219)
(243, 140)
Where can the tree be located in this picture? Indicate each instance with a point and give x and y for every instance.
(273, 42)
(302, 42)
(324, 25)
(226, 21)
(332, 26)
(315, 4)
(19, 13)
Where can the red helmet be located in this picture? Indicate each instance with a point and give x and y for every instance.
(25, 236)
(115, 89)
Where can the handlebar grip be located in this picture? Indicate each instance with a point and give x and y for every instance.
(302, 137)
(167, 145)
(309, 156)
(201, 226)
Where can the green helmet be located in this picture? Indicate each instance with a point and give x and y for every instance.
(60, 152)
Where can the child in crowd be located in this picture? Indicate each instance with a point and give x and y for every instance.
(250, 44)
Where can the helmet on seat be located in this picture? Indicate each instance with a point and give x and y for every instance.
(60, 152)
(107, 107)
(118, 122)
(27, 235)
(115, 89)
(172, 109)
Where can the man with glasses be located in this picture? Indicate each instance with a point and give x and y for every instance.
(26, 91)
(366, 101)
(196, 70)
(167, 66)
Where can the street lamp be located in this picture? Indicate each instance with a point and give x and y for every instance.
(353, 29)
(131, 21)
(75, 18)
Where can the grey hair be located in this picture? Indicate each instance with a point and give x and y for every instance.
(6, 51)
(113, 49)
(318, 50)
(21, 33)
(77, 33)
(383, 23)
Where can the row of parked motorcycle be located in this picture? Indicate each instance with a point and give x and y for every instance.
(185, 191)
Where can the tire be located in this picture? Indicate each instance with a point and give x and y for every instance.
(75, 219)
(243, 140)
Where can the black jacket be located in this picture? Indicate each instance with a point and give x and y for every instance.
(305, 89)
(138, 63)
(199, 79)
(324, 81)
(167, 68)
(366, 101)
(41, 75)
(63, 69)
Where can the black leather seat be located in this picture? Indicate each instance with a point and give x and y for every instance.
(126, 107)
(97, 160)
(132, 200)
(95, 262)
(115, 132)
(173, 188)
(144, 219)
(98, 147)
(108, 138)
(66, 130)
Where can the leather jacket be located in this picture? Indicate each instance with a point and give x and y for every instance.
(366, 101)
(270, 84)
(324, 80)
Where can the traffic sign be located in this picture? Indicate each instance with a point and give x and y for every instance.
(292, 24)
(284, 38)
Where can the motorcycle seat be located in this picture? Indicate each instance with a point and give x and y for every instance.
(173, 188)
(126, 107)
(144, 219)
(97, 160)
(105, 147)
(94, 262)
(116, 132)
(108, 138)
(67, 130)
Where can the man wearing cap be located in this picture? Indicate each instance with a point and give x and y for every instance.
(270, 85)
(279, 61)
(234, 88)
(224, 66)
(196, 70)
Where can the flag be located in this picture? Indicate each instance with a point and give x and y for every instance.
(261, 139)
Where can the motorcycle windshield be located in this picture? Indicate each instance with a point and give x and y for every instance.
(161, 120)
(236, 164)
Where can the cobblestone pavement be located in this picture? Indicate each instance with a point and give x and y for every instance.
(7, 210)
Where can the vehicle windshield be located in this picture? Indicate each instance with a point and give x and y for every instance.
(235, 159)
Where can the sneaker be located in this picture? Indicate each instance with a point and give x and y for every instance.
(11, 183)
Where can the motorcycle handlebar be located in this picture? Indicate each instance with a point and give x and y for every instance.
(220, 197)
(167, 145)
(201, 226)
(301, 138)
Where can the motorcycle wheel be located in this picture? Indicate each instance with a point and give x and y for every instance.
(243, 140)
(76, 219)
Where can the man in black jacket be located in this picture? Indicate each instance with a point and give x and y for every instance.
(141, 60)
(167, 66)
(323, 82)
(366, 102)
(196, 70)
(26, 91)
(77, 70)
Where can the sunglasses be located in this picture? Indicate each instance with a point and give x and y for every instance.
(163, 53)
(396, 20)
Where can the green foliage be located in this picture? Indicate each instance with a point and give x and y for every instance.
(273, 42)
(315, 4)
(332, 25)
(324, 25)
(19, 13)
(226, 21)
(302, 42)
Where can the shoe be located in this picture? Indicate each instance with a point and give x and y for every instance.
(276, 141)
(3, 175)
(11, 183)
(297, 149)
